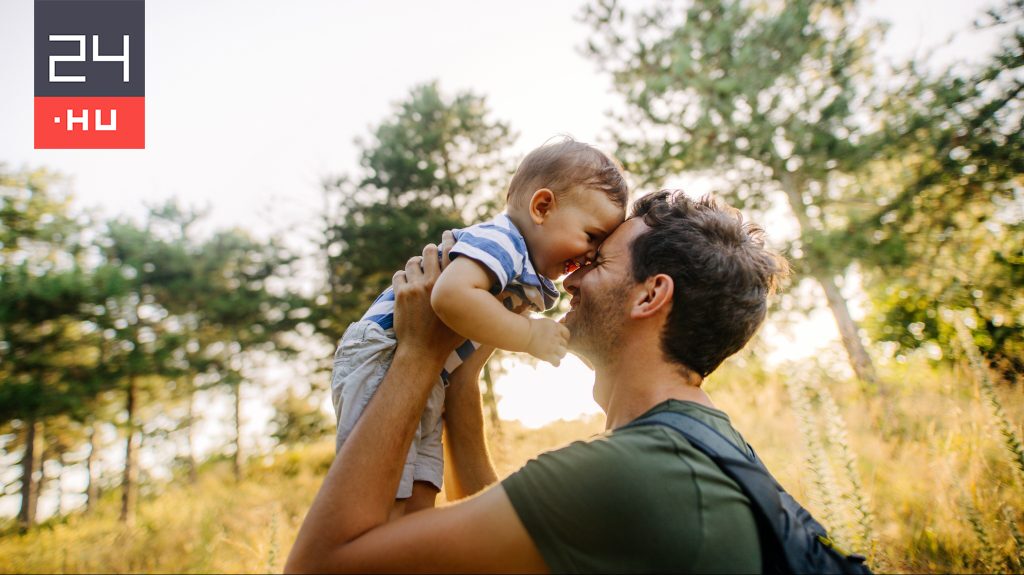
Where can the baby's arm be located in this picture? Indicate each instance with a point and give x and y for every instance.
(461, 298)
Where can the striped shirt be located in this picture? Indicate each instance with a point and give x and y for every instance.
(499, 247)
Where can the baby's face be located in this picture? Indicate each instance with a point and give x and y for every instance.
(570, 235)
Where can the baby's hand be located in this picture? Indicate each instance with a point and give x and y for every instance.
(549, 340)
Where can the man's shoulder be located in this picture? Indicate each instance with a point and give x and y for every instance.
(714, 418)
(614, 458)
(633, 460)
(642, 443)
(678, 508)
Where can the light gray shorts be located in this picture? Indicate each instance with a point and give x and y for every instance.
(362, 360)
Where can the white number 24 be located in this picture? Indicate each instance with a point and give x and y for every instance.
(80, 57)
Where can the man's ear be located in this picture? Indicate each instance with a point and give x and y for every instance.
(654, 297)
(542, 203)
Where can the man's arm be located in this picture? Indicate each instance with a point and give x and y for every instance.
(346, 528)
(466, 455)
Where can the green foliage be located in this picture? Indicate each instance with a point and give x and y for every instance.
(46, 289)
(32, 212)
(438, 163)
(949, 229)
(118, 320)
(773, 100)
(911, 175)
(299, 419)
(446, 152)
(753, 89)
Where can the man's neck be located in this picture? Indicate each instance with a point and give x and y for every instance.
(639, 383)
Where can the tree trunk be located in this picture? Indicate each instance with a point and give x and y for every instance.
(855, 351)
(27, 513)
(490, 399)
(91, 463)
(193, 475)
(130, 471)
(860, 361)
(237, 461)
(39, 479)
(59, 479)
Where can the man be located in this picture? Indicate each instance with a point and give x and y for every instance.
(672, 292)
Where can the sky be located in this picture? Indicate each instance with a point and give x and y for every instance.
(251, 104)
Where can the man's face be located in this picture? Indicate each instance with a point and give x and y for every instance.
(600, 293)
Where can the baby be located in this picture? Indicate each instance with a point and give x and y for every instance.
(563, 200)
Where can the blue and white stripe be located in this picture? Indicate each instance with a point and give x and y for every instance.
(498, 246)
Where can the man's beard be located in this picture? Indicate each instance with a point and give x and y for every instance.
(595, 325)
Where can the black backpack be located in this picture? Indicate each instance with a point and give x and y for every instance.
(791, 540)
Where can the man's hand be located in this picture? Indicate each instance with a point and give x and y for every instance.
(549, 340)
(416, 324)
(447, 243)
(347, 527)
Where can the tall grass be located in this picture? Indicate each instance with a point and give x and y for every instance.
(1015, 556)
(1011, 441)
(935, 492)
(857, 502)
(826, 488)
(902, 489)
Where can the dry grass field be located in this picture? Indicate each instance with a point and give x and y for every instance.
(921, 479)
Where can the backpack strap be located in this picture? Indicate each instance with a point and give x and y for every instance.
(744, 468)
(750, 473)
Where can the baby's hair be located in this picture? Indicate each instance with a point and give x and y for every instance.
(565, 165)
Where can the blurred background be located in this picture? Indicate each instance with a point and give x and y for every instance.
(168, 315)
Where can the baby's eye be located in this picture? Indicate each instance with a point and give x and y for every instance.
(590, 237)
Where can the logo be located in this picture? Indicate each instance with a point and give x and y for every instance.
(90, 75)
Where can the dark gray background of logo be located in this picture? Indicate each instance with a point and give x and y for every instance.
(110, 20)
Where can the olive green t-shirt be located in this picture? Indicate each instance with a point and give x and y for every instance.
(638, 500)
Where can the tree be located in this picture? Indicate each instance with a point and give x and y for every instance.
(142, 346)
(442, 161)
(248, 310)
(298, 419)
(186, 300)
(437, 164)
(949, 227)
(774, 97)
(47, 343)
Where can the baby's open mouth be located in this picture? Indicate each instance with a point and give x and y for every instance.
(572, 264)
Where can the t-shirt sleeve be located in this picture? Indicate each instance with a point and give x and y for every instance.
(497, 249)
(595, 507)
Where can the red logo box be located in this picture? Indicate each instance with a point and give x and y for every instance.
(90, 122)
(90, 73)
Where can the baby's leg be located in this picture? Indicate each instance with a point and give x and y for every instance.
(427, 470)
(360, 364)
(424, 496)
